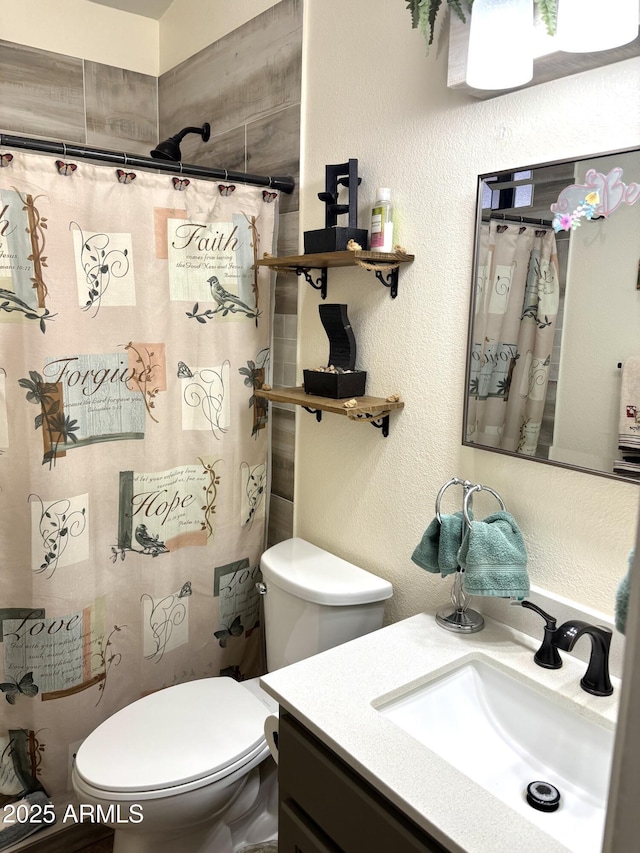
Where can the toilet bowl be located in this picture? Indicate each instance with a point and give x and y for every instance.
(188, 768)
(171, 773)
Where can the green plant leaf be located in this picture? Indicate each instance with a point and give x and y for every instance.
(414, 8)
(548, 14)
(427, 13)
(456, 5)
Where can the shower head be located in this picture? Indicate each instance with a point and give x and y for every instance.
(170, 148)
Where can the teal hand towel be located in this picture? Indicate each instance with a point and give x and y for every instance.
(622, 597)
(438, 548)
(494, 558)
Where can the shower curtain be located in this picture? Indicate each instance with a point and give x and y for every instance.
(135, 331)
(516, 307)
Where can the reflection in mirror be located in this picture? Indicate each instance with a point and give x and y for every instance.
(553, 369)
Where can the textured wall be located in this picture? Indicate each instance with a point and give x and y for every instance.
(369, 499)
(79, 28)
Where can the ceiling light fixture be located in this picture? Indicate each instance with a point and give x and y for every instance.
(500, 44)
(586, 26)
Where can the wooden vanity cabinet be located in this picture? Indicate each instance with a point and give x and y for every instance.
(326, 807)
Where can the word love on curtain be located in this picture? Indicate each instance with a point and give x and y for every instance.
(133, 448)
(516, 307)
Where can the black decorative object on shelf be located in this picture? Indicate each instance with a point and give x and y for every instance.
(333, 237)
(344, 380)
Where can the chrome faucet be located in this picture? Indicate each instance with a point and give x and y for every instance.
(596, 679)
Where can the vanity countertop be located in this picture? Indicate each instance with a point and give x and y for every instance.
(332, 694)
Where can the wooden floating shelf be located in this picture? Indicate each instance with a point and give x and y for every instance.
(379, 262)
(367, 409)
(336, 259)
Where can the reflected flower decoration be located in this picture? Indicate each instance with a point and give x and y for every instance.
(585, 209)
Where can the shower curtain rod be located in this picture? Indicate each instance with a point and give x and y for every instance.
(284, 183)
(519, 220)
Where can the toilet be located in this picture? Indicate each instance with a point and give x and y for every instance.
(188, 768)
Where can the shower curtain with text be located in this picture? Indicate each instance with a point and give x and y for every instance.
(134, 338)
(516, 307)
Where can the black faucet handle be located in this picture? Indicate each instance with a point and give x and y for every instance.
(547, 655)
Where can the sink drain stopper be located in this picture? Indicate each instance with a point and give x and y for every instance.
(543, 796)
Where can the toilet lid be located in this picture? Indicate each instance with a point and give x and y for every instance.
(314, 575)
(177, 735)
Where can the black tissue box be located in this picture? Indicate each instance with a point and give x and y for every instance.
(333, 239)
(335, 385)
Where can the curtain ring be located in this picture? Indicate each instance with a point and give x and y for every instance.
(125, 158)
(269, 181)
(180, 166)
(64, 150)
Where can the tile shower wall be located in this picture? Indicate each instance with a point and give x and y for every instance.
(247, 86)
(72, 100)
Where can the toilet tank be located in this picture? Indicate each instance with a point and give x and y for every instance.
(315, 600)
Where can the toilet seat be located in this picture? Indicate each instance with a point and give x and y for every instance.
(187, 736)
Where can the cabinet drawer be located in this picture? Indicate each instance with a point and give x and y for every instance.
(297, 834)
(350, 811)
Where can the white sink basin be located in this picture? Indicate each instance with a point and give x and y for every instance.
(505, 732)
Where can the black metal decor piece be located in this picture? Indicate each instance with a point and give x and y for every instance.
(342, 341)
(334, 238)
(343, 380)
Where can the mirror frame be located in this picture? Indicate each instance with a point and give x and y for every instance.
(474, 275)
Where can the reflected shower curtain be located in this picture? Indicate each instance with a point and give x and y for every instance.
(516, 307)
(133, 445)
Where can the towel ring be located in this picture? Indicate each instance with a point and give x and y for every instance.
(455, 481)
(478, 488)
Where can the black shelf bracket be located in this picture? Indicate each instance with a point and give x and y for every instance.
(390, 281)
(316, 412)
(383, 424)
(320, 284)
(380, 422)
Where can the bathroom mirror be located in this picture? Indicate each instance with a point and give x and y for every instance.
(555, 314)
